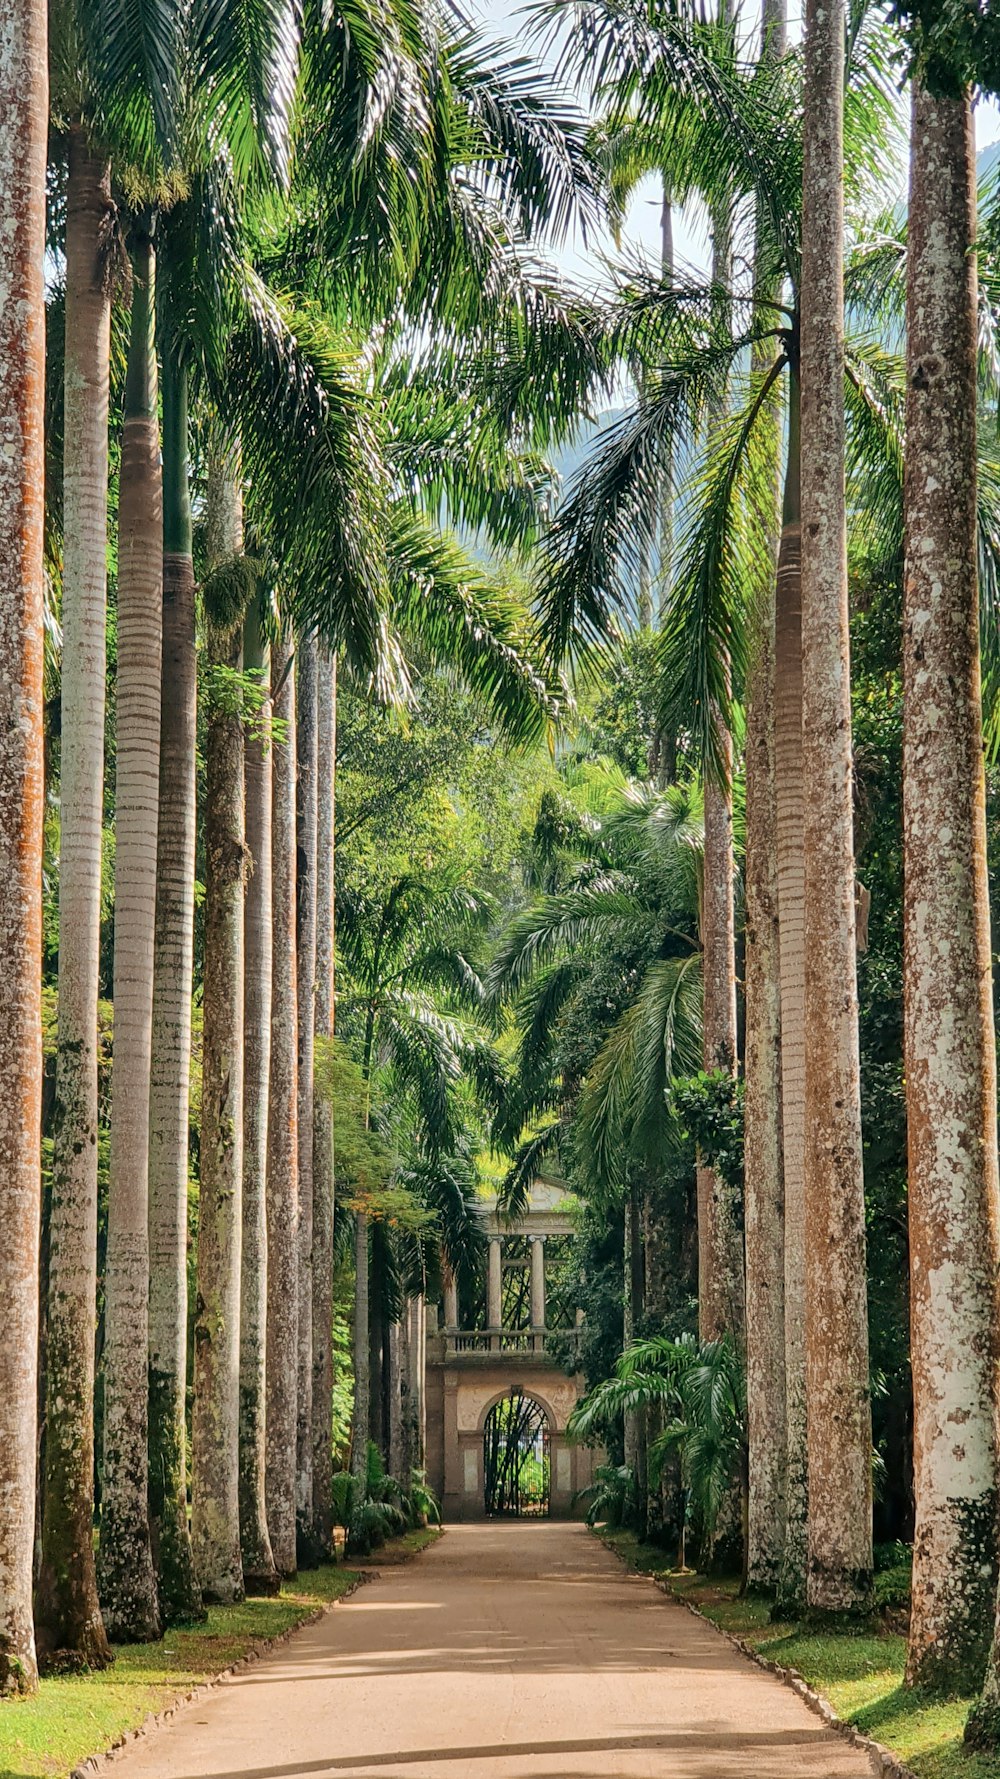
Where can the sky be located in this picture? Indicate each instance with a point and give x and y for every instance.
(582, 262)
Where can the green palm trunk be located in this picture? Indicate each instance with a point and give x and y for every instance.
(171, 1064)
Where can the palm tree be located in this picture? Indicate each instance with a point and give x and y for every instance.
(749, 125)
(763, 1185)
(306, 760)
(127, 1582)
(282, 1132)
(699, 1390)
(636, 902)
(215, 1517)
(840, 1565)
(410, 984)
(322, 1158)
(171, 1053)
(23, 135)
(949, 1037)
(67, 1612)
(259, 1573)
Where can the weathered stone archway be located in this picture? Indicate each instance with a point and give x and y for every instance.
(470, 1370)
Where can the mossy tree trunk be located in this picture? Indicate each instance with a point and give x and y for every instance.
(839, 1572)
(259, 1573)
(170, 1076)
(23, 139)
(67, 1613)
(282, 1133)
(125, 1573)
(789, 818)
(215, 1509)
(950, 1045)
(305, 827)
(763, 1189)
(323, 1155)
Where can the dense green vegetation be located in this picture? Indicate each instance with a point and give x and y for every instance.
(386, 822)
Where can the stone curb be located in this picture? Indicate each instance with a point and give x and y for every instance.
(883, 1761)
(97, 1763)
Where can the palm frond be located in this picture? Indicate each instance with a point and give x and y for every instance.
(723, 574)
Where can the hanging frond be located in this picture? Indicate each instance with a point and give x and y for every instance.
(622, 1114)
(723, 575)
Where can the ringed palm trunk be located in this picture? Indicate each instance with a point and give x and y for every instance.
(23, 137)
(305, 824)
(170, 1082)
(127, 1582)
(259, 1573)
(67, 1613)
(763, 1189)
(721, 1287)
(323, 1178)
(721, 1291)
(362, 1373)
(282, 1135)
(215, 1498)
(839, 1575)
(763, 1160)
(949, 1036)
(789, 815)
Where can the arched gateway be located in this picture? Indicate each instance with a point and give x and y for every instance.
(501, 1381)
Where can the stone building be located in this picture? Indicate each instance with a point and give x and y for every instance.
(500, 1380)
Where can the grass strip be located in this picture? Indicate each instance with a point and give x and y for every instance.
(73, 1716)
(860, 1672)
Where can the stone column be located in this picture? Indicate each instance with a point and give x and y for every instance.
(538, 1282)
(494, 1295)
(450, 1302)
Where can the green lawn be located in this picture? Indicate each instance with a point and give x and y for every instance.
(76, 1715)
(860, 1673)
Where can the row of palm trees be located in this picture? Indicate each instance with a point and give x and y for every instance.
(243, 240)
(758, 603)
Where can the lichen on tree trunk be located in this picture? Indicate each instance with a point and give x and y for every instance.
(215, 1513)
(259, 1573)
(125, 1568)
(170, 1068)
(791, 909)
(949, 1037)
(839, 1571)
(67, 1613)
(305, 941)
(282, 1133)
(23, 137)
(323, 1134)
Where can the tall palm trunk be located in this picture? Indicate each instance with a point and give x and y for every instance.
(323, 1180)
(259, 1573)
(721, 1296)
(127, 1582)
(789, 816)
(170, 1080)
(67, 1613)
(360, 1423)
(721, 1286)
(305, 824)
(839, 1576)
(215, 1498)
(282, 1134)
(23, 137)
(950, 1042)
(763, 1189)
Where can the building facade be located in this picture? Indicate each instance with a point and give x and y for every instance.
(501, 1382)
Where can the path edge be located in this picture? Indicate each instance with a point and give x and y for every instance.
(883, 1761)
(96, 1763)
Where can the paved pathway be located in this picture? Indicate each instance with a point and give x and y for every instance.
(507, 1651)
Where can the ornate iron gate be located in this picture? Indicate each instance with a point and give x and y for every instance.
(516, 1463)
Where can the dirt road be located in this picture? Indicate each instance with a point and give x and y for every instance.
(508, 1651)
